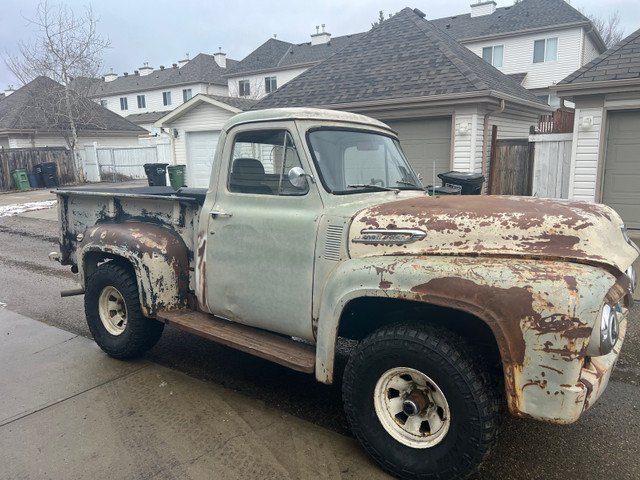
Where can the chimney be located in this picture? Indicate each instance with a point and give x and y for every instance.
(126, 74)
(110, 77)
(319, 37)
(483, 8)
(146, 70)
(182, 63)
(220, 58)
(9, 90)
(161, 67)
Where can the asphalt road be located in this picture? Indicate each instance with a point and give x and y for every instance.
(603, 444)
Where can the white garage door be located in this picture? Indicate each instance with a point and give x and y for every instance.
(201, 148)
(426, 142)
(621, 189)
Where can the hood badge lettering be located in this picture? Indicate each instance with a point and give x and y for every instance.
(389, 237)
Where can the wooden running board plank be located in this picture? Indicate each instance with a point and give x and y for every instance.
(289, 353)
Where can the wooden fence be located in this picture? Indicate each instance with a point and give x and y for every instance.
(27, 158)
(559, 121)
(511, 168)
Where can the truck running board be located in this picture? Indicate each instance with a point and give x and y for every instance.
(282, 350)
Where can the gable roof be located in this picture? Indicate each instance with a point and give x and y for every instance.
(618, 65)
(231, 104)
(524, 16)
(201, 69)
(405, 57)
(276, 54)
(38, 106)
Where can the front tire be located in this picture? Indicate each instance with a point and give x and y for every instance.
(419, 403)
(114, 315)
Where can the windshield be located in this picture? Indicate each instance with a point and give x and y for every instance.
(351, 161)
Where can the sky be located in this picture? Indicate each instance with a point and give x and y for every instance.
(162, 32)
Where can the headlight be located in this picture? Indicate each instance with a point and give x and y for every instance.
(625, 233)
(609, 329)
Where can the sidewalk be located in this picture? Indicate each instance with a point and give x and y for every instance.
(67, 410)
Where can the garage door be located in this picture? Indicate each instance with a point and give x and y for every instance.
(425, 143)
(621, 189)
(201, 148)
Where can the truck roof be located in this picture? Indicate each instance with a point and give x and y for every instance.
(275, 114)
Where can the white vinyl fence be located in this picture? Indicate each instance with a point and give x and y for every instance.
(121, 164)
(552, 165)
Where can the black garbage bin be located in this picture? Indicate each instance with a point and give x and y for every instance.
(469, 182)
(48, 174)
(442, 191)
(156, 174)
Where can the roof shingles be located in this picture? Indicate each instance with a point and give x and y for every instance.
(202, 68)
(38, 106)
(404, 57)
(621, 62)
(524, 15)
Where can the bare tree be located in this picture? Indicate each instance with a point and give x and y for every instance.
(609, 28)
(68, 49)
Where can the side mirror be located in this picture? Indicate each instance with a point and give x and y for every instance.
(298, 178)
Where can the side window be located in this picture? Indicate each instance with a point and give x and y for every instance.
(261, 164)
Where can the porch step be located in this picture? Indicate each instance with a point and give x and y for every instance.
(282, 350)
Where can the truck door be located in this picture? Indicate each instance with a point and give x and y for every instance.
(262, 233)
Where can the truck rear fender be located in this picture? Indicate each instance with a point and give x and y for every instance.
(540, 321)
(159, 259)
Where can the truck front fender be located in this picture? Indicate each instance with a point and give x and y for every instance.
(537, 311)
(159, 259)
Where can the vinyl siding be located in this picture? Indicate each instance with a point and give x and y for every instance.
(590, 51)
(153, 98)
(204, 117)
(256, 82)
(518, 56)
(585, 155)
(55, 141)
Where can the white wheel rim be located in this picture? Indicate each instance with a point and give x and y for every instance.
(113, 310)
(424, 429)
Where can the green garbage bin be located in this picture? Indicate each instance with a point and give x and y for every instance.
(176, 176)
(21, 179)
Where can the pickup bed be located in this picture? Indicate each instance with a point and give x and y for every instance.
(315, 227)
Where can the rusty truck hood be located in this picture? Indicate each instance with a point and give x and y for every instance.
(494, 225)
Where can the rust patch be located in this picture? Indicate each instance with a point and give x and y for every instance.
(506, 308)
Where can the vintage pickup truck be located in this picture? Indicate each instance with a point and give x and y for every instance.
(315, 227)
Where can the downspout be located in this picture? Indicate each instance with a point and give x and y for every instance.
(485, 137)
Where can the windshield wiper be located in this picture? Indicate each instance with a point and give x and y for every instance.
(410, 184)
(374, 186)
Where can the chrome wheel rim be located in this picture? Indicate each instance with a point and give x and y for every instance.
(411, 407)
(112, 310)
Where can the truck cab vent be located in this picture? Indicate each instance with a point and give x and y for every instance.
(333, 243)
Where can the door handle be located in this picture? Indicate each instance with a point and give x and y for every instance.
(218, 213)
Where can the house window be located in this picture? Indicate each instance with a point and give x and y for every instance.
(545, 50)
(551, 100)
(186, 95)
(142, 103)
(493, 55)
(104, 103)
(166, 98)
(270, 84)
(123, 103)
(244, 89)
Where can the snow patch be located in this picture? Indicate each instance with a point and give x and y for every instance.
(16, 208)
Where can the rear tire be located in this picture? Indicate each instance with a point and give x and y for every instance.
(418, 401)
(114, 316)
